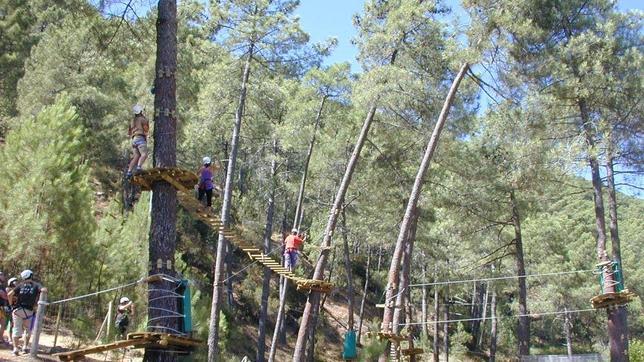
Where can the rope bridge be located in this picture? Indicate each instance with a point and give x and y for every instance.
(184, 181)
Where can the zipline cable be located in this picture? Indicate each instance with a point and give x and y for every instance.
(511, 316)
(500, 278)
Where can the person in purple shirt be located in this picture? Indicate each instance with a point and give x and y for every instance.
(205, 181)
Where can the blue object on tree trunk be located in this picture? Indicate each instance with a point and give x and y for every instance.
(350, 348)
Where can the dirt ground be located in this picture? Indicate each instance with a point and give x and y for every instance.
(47, 341)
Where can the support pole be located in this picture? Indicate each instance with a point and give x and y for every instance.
(57, 328)
(109, 320)
(40, 314)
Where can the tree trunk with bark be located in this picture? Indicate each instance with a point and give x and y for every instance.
(493, 327)
(617, 331)
(313, 302)
(617, 317)
(568, 331)
(446, 325)
(424, 318)
(364, 294)
(349, 272)
(523, 330)
(266, 285)
(279, 320)
(394, 269)
(300, 195)
(436, 318)
(162, 310)
(481, 335)
(215, 311)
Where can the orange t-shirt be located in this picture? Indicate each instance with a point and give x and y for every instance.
(293, 242)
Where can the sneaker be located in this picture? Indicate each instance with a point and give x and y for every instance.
(128, 175)
(138, 170)
(25, 350)
(16, 352)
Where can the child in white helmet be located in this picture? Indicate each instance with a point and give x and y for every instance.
(138, 132)
(123, 311)
(206, 184)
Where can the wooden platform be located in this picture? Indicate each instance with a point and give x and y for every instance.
(174, 176)
(136, 340)
(412, 351)
(184, 181)
(612, 299)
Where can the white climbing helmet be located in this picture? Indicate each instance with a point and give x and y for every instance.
(124, 300)
(206, 160)
(137, 109)
(294, 230)
(12, 280)
(26, 274)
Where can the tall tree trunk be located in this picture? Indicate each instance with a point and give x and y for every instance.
(436, 318)
(424, 318)
(162, 310)
(617, 327)
(279, 320)
(479, 342)
(364, 293)
(477, 297)
(300, 194)
(313, 301)
(213, 330)
(493, 327)
(349, 272)
(281, 336)
(379, 258)
(266, 285)
(523, 331)
(394, 268)
(446, 324)
(617, 317)
(568, 331)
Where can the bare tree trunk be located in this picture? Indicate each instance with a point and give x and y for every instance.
(436, 318)
(364, 293)
(313, 301)
(477, 297)
(484, 316)
(493, 327)
(300, 194)
(617, 317)
(424, 318)
(213, 330)
(279, 320)
(161, 309)
(394, 268)
(266, 285)
(446, 324)
(349, 272)
(568, 331)
(379, 258)
(617, 331)
(523, 331)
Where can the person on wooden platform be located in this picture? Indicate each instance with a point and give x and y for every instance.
(26, 293)
(206, 184)
(123, 312)
(292, 244)
(138, 132)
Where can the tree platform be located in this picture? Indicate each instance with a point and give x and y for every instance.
(412, 351)
(607, 300)
(136, 340)
(388, 336)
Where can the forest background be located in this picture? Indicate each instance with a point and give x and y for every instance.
(513, 149)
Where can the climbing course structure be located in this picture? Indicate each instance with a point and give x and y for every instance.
(184, 181)
(397, 353)
(612, 287)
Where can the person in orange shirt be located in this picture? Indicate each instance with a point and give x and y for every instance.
(292, 243)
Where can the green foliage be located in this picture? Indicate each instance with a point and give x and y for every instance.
(636, 350)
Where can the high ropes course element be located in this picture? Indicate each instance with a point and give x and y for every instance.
(136, 340)
(184, 181)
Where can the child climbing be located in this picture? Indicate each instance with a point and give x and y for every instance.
(138, 132)
(205, 181)
(26, 293)
(292, 244)
(123, 311)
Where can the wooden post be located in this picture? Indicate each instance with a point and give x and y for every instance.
(40, 313)
(109, 320)
(57, 328)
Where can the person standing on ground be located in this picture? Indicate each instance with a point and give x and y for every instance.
(206, 184)
(123, 312)
(292, 243)
(5, 309)
(26, 294)
(138, 132)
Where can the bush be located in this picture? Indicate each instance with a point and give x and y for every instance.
(636, 351)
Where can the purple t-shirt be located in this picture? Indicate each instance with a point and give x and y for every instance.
(205, 179)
